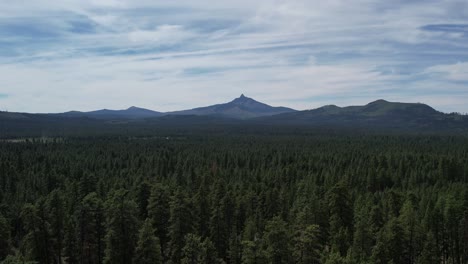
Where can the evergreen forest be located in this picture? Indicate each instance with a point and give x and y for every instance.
(235, 198)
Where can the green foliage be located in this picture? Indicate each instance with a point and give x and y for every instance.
(253, 252)
(341, 217)
(5, 238)
(430, 252)
(180, 224)
(390, 244)
(37, 241)
(276, 240)
(307, 247)
(159, 212)
(221, 216)
(91, 229)
(197, 251)
(55, 209)
(148, 250)
(363, 238)
(193, 249)
(209, 254)
(121, 228)
(236, 198)
(335, 258)
(17, 259)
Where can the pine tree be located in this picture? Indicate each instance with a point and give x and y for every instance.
(380, 252)
(148, 250)
(37, 241)
(430, 252)
(307, 247)
(219, 229)
(5, 238)
(143, 195)
(91, 229)
(220, 217)
(17, 259)
(122, 228)
(159, 213)
(363, 238)
(181, 224)
(209, 255)
(464, 232)
(252, 252)
(193, 250)
(71, 249)
(203, 208)
(335, 258)
(409, 223)
(390, 245)
(376, 220)
(453, 209)
(55, 210)
(235, 249)
(277, 241)
(341, 216)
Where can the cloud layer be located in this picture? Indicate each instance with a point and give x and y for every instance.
(168, 55)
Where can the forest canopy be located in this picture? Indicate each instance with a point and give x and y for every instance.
(237, 198)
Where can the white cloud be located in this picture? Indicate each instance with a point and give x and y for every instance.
(450, 72)
(185, 53)
(162, 84)
(162, 35)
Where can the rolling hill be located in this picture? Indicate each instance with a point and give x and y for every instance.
(130, 113)
(377, 114)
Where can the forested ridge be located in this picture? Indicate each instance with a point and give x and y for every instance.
(235, 199)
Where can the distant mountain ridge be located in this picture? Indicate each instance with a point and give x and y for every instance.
(130, 113)
(240, 108)
(380, 115)
(373, 109)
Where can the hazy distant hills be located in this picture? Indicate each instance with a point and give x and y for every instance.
(242, 112)
(375, 114)
(130, 113)
(240, 108)
(372, 111)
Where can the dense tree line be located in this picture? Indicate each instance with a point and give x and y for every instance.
(235, 199)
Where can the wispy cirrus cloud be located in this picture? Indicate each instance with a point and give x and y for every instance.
(457, 72)
(169, 55)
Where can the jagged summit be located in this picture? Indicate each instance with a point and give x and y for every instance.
(244, 99)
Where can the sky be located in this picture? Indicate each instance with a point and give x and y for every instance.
(57, 56)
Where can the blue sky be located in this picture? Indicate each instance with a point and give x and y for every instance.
(65, 55)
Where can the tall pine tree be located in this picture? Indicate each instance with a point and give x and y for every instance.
(121, 228)
(148, 250)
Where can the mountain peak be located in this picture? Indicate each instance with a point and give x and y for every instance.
(242, 107)
(243, 99)
(380, 101)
